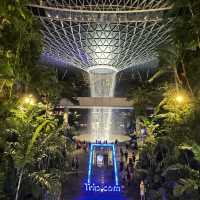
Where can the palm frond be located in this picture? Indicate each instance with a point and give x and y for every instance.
(185, 185)
(49, 181)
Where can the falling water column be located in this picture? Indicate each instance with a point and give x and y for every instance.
(102, 84)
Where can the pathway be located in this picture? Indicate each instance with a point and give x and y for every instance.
(73, 188)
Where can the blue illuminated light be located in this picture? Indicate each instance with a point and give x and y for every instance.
(90, 164)
(115, 165)
(105, 188)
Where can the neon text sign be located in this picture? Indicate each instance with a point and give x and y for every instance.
(105, 188)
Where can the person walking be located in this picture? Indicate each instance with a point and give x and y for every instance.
(131, 168)
(73, 163)
(85, 146)
(133, 157)
(121, 152)
(76, 165)
(128, 176)
(142, 190)
(121, 166)
(126, 155)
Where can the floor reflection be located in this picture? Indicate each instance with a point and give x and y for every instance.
(101, 196)
(74, 188)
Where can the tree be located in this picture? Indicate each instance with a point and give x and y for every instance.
(144, 96)
(172, 160)
(20, 45)
(37, 147)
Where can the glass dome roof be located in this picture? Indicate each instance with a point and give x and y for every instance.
(114, 33)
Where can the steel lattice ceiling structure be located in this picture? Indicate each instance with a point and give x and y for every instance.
(103, 33)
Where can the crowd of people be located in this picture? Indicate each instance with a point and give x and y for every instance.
(127, 168)
(126, 159)
(126, 165)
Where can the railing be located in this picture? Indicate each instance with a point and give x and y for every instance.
(113, 16)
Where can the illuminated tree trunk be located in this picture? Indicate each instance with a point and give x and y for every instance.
(186, 79)
(19, 183)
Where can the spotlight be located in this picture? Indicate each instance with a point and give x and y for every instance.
(29, 99)
(179, 98)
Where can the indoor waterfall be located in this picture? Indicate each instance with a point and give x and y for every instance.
(102, 84)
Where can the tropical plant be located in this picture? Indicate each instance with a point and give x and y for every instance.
(168, 169)
(37, 149)
(20, 45)
(144, 96)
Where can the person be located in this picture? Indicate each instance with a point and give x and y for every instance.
(131, 168)
(76, 165)
(78, 145)
(121, 152)
(130, 164)
(121, 166)
(128, 176)
(85, 146)
(73, 163)
(123, 175)
(133, 157)
(142, 190)
(126, 155)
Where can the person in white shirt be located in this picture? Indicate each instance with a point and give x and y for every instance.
(142, 190)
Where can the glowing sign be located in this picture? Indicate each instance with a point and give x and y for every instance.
(106, 188)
